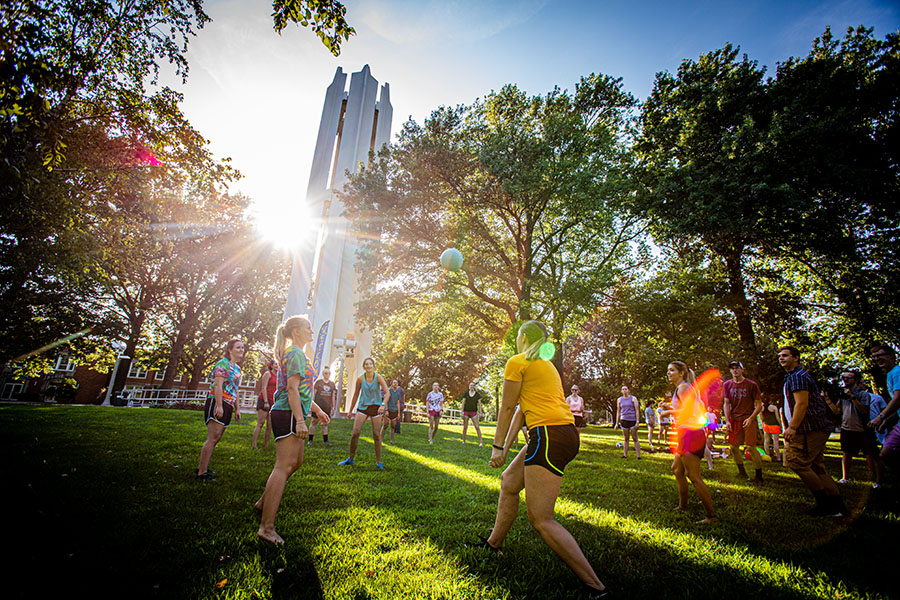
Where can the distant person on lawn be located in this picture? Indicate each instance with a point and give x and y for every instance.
(324, 392)
(806, 433)
(852, 403)
(576, 405)
(742, 403)
(265, 389)
(369, 402)
(396, 404)
(627, 410)
(886, 358)
(221, 402)
(470, 402)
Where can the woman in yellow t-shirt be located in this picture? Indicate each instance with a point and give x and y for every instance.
(534, 385)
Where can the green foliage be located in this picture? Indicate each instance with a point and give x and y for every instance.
(326, 17)
(529, 189)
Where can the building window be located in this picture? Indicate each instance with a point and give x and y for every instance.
(11, 391)
(136, 371)
(160, 375)
(64, 364)
(177, 379)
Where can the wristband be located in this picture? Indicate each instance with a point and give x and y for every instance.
(496, 447)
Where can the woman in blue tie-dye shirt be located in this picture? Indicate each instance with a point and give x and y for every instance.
(221, 402)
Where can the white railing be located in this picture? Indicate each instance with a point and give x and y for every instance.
(448, 415)
(158, 398)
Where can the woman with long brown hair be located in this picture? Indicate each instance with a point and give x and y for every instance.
(689, 413)
(221, 402)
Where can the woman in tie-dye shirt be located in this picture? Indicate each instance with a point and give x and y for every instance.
(221, 402)
(293, 404)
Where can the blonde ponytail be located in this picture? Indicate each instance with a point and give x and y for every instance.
(282, 335)
(535, 334)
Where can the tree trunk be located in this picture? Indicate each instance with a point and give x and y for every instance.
(739, 304)
(176, 352)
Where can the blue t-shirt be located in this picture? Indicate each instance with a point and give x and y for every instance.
(893, 380)
(395, 398)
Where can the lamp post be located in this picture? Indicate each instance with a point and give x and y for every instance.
(344, 346)
(119, 347)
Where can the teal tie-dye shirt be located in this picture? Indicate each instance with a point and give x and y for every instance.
(294, 363)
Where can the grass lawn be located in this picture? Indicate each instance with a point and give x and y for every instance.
(103, 501)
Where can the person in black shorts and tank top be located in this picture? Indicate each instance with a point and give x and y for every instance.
(324, 392)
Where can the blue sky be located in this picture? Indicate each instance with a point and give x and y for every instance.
(257, 96)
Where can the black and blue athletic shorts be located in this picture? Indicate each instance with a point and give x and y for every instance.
(552, 447)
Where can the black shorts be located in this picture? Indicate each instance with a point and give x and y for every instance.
(579, 421)
(325, 405)
(854, 441)
(552, 447)
(627, 424)
(283, 423)
(209, 412)
(371, 410)
(261, 403)
(393, 414)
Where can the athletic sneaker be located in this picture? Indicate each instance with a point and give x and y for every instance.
(347, 462)
(483, 543)
(595, 594)
(380, 465)
(205, 477)
(843, 481)
(328, 443)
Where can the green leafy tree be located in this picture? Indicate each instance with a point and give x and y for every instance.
(835, 144)
(527, 188)
(700, 155)
(325, 17)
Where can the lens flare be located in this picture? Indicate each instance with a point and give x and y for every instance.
(547, 351)
(688, 431)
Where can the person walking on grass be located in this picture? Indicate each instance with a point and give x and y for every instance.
(534, 385)
(771, 430)
(853, 405)
(323, 396)
(806, 434)
(470, 402)
(394, 408)
(886, 359)
(664, 419)
(627, 410)
(435, 403)
(743, 402)
(576, 405)
(651, 418)
(293, 404)
(265, 389)
(689, 414)
(371, 392)
(221, 403)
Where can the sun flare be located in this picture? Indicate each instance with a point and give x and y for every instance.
(286, 223)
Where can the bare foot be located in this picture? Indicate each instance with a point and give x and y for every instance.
(258, 506)
(680, 507)
(711, 519)
(270, 536)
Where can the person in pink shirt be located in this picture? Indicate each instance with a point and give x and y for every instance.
(576, 405)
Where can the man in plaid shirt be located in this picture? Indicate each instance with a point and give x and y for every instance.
(806, 433)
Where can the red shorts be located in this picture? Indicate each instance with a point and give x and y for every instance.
(739, 434)
(434, 413)
(691, 441)
(772, 428)
(471, 415)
